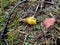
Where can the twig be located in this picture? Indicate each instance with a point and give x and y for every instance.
(49, 3)
(42, 5)
(5, 42)
(37, 37)
(4, 31)
(37, 8)
(51, 15)
(7, 21)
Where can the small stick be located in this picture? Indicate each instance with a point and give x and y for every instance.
(4, 31)
(7, 21)
(42, 4)
(37, 37)
(37, 8)
(51, 15)
(49, 3)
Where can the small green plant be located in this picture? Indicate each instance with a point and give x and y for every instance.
(5, 3)
(1, 43)
(10, 37)
(27, 43)
(13, 0)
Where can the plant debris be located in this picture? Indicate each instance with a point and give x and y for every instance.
(48, 22)
(41, 22)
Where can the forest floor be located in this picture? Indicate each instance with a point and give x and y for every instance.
(20, 33)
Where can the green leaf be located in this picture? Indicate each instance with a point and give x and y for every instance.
(10, 37)
(13, 0)
(29, 37)
(1, 43)
(27, 43)
(2, 19)
(5, 3)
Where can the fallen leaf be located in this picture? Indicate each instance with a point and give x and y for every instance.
(48, 22)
